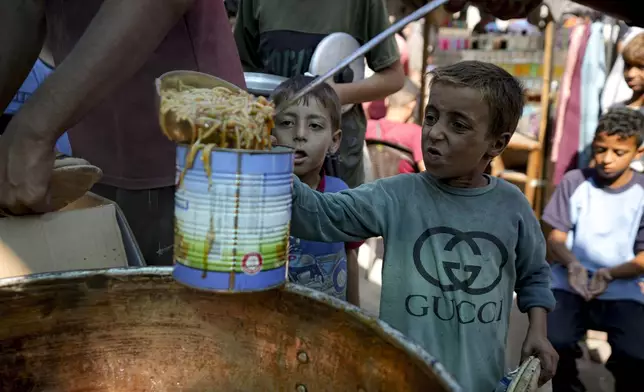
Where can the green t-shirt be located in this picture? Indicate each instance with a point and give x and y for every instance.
(280, 36)
(453, 258)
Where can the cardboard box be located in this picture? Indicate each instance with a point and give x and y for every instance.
(89, 233)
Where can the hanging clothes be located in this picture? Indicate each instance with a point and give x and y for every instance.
(615, 89)
(574, 52)
(570, 125)
(593, 78)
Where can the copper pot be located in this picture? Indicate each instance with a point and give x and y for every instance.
(138, 330)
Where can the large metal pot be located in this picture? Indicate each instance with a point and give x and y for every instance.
(138, 330)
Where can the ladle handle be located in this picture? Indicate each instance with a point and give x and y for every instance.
(372, 43)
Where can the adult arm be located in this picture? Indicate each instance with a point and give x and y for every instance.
(378, 86)
(384, 59)
(118, 41)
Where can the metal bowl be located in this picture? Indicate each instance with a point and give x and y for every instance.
(181, 131)
(138, 330)
(261, 83)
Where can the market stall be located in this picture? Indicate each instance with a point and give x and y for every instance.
(536, 58)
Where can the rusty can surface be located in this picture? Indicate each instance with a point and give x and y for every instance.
(232, 214)
(138, 330)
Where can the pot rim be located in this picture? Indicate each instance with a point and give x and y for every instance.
(383, 329)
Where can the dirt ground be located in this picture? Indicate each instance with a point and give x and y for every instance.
(594, 375)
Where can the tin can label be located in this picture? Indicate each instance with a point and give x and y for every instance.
(252, 263)
(233, 220)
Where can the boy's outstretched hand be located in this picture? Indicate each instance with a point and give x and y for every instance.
(537, 344)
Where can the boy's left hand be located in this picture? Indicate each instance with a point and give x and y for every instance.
(599, 282)
(537, 344)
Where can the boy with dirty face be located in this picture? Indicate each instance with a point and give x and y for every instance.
(458, 242)
(311, 127)
(597, 246)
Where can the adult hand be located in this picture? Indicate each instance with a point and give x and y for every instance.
(503, 9)
(578, 279)
(599, 282)
(26, 163)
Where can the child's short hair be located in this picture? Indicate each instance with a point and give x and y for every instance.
(324, 94)
(623, 122)
(502, 92)
(633, 52)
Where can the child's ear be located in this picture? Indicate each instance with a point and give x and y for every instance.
(640, 152)
(335, 141)
(498, 144)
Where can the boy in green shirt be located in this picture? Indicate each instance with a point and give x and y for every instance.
(458, 242)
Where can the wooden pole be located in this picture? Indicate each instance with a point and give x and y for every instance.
(423, 70)
(537, 158)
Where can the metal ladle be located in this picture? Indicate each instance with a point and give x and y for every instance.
(181, 130)
(393, 29)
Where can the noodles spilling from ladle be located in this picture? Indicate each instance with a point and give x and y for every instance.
(215, 118)
(219, 116)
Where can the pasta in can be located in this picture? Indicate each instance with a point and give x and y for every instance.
(233, 195)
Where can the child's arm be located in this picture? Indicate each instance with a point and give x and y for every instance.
(536, 343)
(534, 295)
(557, 215)
(247, 37)
(353, 276)
(533, 272)
(629, 270)
(559, 253)
(384, 59)
(347, 216)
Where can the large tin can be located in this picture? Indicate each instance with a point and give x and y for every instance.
(232, 214)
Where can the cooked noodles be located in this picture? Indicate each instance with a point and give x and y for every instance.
(220, 117)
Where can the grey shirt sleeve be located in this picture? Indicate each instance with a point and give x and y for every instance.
(346, 216)
(533, 272)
